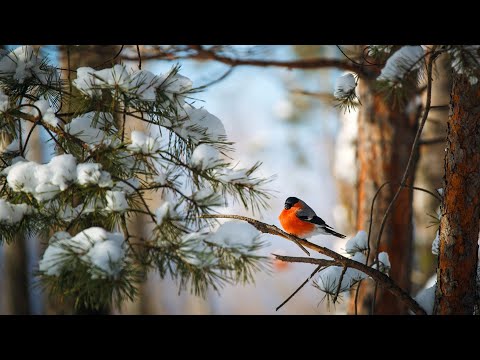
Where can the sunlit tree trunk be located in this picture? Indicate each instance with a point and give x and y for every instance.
(385, 138)
(459, 226)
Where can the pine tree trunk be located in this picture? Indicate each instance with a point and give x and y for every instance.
(385, 138)
(459, 226)
(16, 284)
(16, 287)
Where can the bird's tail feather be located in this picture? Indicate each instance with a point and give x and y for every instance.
(334, 233)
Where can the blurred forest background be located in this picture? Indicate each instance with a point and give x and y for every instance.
(287, 119)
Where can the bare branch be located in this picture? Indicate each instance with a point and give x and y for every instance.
(440, 107)
(139, 58)
(319, 267)
(292, 64)
(338, 259)
(432, 141)
(334, 300)
(201, 53)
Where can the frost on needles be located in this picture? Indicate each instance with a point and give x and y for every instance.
(103, 172)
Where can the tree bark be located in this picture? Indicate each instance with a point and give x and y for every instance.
(385, 138)
(459, 226)
(16, 285)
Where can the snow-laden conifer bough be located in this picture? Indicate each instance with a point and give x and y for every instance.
(104, 171)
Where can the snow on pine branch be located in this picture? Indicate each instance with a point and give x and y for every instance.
(345, 92)
(12, 213)
(46, 112)
(357, 244)
(465, 60)
(335, 280)
(227, 255)
(103, 253)
(405, 60)
(344, 86)
(23, 64)
(106, 172)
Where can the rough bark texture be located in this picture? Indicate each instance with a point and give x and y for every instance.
(459, 225)
(385, 139)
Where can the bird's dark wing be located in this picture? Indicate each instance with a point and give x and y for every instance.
(314, 219)
(307, 214)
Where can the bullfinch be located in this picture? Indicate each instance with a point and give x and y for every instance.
(299, 219)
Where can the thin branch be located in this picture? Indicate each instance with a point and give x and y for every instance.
(334, 300)
(317, 63)
(54, 139)
(382, 279)
(222, 77)
(112, 59)
(432, 141)
(69, 77)
(439, 107)
(355, 62)
(152, 216)
(124, 120)
(39, 121)
(319, 267)
(356, 296)
(292, 64)
(436, 196)
(139, 58)
(49, 128)
(338, 259)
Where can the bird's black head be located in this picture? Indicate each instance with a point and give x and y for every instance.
(290, 202)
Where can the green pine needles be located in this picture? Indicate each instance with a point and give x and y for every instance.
(105, 173)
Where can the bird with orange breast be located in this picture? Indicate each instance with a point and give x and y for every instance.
(299, 219)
